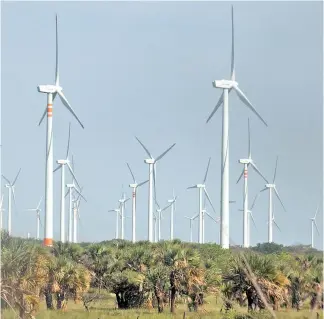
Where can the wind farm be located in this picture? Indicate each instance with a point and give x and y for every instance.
(203, 164)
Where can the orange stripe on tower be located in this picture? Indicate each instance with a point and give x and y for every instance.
(49, 110)
(48, 242)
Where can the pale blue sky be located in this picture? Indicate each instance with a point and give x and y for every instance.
(146, 69)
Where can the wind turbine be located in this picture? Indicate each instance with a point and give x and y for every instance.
(247, 162)
(71, 187)
(204, 211)
(51, 90)
(272, 187)
(313, 221)
(250, 215)
(227, 86)
(152, 162)
(158, 218)
(37, 210)
(1, 211)
(172, 204)
(134, 187)
(76, 215)
(122, 202)
(61, 166)
(117, 211)
(202, 187)
(11, 193)
(191, 219)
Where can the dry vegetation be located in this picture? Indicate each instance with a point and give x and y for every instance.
(118, 279)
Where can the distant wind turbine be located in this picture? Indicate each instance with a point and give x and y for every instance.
(173, 207)
(38, 220)
(202, 187)
(191, 219)
(247, 162)
(11, 193)
(313, 221)
(271, 220)
(122, 202)
(227, 86)
(51, 91)
(76, 214)
(117, 211)
(152, 162)
(134, 186)
(158, 219)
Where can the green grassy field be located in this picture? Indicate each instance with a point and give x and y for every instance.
(105, 309)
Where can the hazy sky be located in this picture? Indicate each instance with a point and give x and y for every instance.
(146, 69)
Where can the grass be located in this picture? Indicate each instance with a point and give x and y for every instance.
(104, 309)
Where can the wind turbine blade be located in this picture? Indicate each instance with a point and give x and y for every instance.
(249, 135)
(146, 150)
(131, 173)
(316, 227)
(194, 217)
(68, 106)
(31, 209)
(154, 182)
(253, 221)
(195, 186)
(80, 194)
(112, 210)
(126, 200)
(232, 58)
(257, 170)
(42, 118)
(160, 156)
(68, 145)
(275, 172)
(40, 221)
(210, 202)
(255, 198)
(166, 207)
(262, 190)
(57, 168)
(211, 217)
(276, 225)
(219, 103)
(240, 176)
(232, 201)
(67, 193)
(140, 184)
(14, 182)
(57, 80)
(317, 209)
(1, 202)
(187, 217)
(7, 180)
(14, 197)
(275, 189)
(245, 100)
(39, 202)
(207, 171)
(72, 173)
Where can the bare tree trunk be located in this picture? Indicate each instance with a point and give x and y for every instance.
(173, 292)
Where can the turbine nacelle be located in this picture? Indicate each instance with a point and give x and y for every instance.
(224, 84)
(133, 185)
(200, 186)
(245, 161)
(149, 161)
(62, 162)
(70, 185)
(48, 88)
(7, 185)
(270, 185)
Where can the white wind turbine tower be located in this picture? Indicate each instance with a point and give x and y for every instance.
(117, 211)
(61, 166)
(227, 86)
(152, 162)
(134, 187)
(1, 212)
(158, 219)
(71, 187)
(247, 162)
(202, 187)
(122, 202)
(11, 194)
(173, 208)
(38, 221)
(76, 214)
(313, 221)
(191, 219)
(271, 220)
(51, 90)
(250, 215)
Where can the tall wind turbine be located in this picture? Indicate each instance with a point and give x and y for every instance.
(202, 187)
(122, 202)
(37, 210)
(271, 188)
(172, 204)
(152, 162)
(227, 86)
(11, 193)
(247, 162)
(191, 219)
(134, 187)
(51, 90)
(61, 166)
(117, 211)
(313, 221)
(250, 215)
